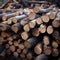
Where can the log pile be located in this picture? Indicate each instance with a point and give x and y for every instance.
(31, 33)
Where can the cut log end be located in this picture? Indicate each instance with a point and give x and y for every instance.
(56, 23)
(18, 51)
(10, 39)
(27, 44)
(4, 18)
(16, 43)
(15, 54)
(45, 18)
(31, 24)
(38, 49)
(14, 20)
(26, 28)
(42, 28)
(52, 15)
(24, 35)
(46, 40)
(50, 29)
(9, 21)
(12, 48)
(22, 22)
(21, 46)
(39, 21)
(36, 9)
(31, 16)
(47, 51)
(2, 27)
(29, 56)
(55, 44)
(14, 28)
(10, 43)
(3, 34)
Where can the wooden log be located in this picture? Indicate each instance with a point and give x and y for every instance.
(42, 28)
(17, 13)
(24, 21)
(16, 43)
(31, 16)
(26, 28)
(55, 52)
(10, 42)
(12, 48)
(9, 10)
(38, 49)
(45, 18)
(5, 17)
(52, 15)
(22, 55)
(55, 44)
(10, 38)
(5, 22)
(52, 7)
(46, 40)
(15, 54)
(18, 18)
(43, 9)
(24, 35)
(4, 27)
(58, 15)
(35, 32)
(18, 51)
(9, 21)
(56, 23)
(2, 15)
(29, 56)
(39, 21)
(21, 46)
(16, 27)
(25, 51)
(55, 34)
(30, 42)
(4, 34)
(41, 57)
(47, 50)
(32, 23)
(36, 8)
(50, 29)
(27, 11)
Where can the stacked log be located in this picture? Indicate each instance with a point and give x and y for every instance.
(30, 33)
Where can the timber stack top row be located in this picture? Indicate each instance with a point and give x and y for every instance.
(30, 31)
